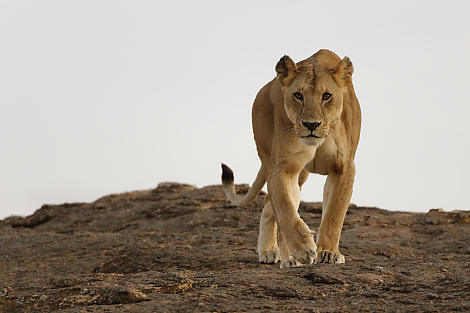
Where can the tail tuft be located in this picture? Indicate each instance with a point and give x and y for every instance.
(227, 174)
(229, 187)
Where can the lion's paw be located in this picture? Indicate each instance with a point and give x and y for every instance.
(291, 262)
(306, 256)
(269, 256)
(301, 243)
(329, 257)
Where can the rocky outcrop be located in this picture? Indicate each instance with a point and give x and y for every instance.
(177, 248)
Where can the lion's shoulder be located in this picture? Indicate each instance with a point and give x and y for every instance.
(322, 60)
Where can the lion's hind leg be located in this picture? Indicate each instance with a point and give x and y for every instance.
(268, 250)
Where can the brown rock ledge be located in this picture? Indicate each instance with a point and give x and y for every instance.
(177, 248)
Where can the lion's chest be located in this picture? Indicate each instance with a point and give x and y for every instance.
(328, 158)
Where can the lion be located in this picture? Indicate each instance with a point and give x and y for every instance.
(306, 120)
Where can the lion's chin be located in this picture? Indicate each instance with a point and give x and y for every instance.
(311, 141)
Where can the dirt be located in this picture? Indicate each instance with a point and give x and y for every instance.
(177, 248)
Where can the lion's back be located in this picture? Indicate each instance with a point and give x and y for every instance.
(322, 60)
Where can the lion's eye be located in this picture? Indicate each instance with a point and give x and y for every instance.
(326, 96)
(298, 96)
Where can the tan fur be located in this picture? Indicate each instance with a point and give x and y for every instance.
(280, 125)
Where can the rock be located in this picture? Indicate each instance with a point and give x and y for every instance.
(369, 278)
(118, 295)
(171, 248)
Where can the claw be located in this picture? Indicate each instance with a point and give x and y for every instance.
(270, 256)
(292, 262)
(329, 257)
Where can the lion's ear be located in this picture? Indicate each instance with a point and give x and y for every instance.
(343, 71)
(286, 70)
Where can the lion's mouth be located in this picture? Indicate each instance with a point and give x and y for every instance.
(310, 136)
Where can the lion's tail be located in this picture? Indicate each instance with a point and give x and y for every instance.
(229, 187)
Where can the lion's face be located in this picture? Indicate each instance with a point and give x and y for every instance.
(313, 100)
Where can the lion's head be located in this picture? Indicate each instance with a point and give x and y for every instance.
(313, 97)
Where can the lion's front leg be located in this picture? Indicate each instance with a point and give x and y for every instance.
(268, 250)
(336, 196)
(295, 237)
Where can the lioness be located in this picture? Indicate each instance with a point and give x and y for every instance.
(306, 120)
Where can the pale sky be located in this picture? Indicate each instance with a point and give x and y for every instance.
(100, 97)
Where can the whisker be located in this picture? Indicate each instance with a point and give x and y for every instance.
(288, 130)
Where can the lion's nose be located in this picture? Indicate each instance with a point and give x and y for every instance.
(311, 126)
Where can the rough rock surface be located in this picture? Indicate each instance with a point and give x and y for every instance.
(177, 248)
